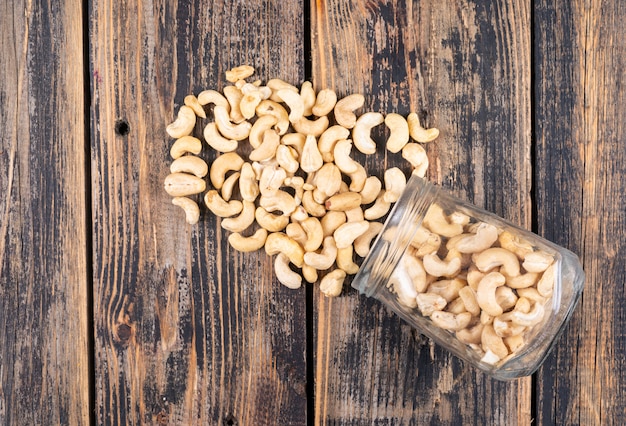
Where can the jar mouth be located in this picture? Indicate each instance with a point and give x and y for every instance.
(404, 219)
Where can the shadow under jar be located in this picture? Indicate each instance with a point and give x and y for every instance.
(493, 294)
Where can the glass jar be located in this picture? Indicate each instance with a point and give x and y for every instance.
(492, 293)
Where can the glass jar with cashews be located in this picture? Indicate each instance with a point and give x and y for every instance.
(494, 294)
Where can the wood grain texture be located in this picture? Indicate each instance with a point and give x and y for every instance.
(465, 68)
(580, 62)
(187, 330)
(44, 357)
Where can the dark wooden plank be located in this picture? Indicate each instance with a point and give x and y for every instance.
(44, 357)
(580, 60)
(465, 68)
(187, 330)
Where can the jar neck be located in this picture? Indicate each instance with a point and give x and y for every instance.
(403, 221)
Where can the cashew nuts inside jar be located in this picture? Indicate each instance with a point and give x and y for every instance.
(495, 295)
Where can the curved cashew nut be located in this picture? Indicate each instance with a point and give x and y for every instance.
(507, 328)
(497, 256)
(295, 231)
(332, 283)
(190, 207)
(486, 293)
(183, 184)
(415, 269)
(311, 159)
(277, 242)
(219, 207)
(227, 128)
(229, 185)
(222, 165)
(184, 123)
(531, 294)
(345, 262)
(185, 145)
(425, 242)
(248, 185)
(294, 102)
(428, 303)
(190, 164)
(526, 280)
(308, 97)
(276, 110)
(437, 221)
(213, 97)
(267, 149)
(470, 336)
(546, 283)
(233, 96)
(537, 261)
(514, 244)
(514, 343)
(468, 296)
(311, 206)
(363, 241)
(529, 319)
(314, 233)
(328, 140)
(506, 297)
(417, 132)
(284, 274)
(341, 156)
(258, 129)
(378, 209)
(486, 234)
(490, 341)
(362, 129)
(441, 268)
(357, 179)
(399, 132)
(287, 158)
(325, 258)
(249, 102)
(343, 201)
(395, 182)
(276, 84)
(311, 127)
(331, 221)
(218, 142)
(325, 102)
(278, 200)
(239, 73)
(269, 221)
(271, 179)
(371, 189)
(451, 321)
(243, 221)
(344, 115)
(416, 155)
(348, 232)
(248, 244)
(192, 102)
(295, 140)
(309, 273)
(401, 284)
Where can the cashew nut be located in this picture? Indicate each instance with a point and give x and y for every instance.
(546, 283)
(276, 84)
(371, 189)
(243, 221)
(268, 147)
(357, 179)
(233, 96)
(437, 221)
(362, 129)
(311, 159)
(327, 181)
(190, 207)
(294, 102)
(192, 102)
(229, 185)
(185, 145)
(507, 328)
(415, 269)
(183, 184)
(425, 242)
(229, 129)
(219, 207)
(311, 127)
(190, 164)
(514, 244)
(506, 297)
(344, 115)
(287, 158)
(314, 233)
(526, 280)
(417, 132)
(249, 102)
(271, 179)
(284, 274)
(345, 262)
(428, 303)
(486, 234)
(278, 200)
(277, 242)
(213, 97)
(222, 165)
(218, 142)
(402, 285)
(325, 102)
(239, 73)
(378, 209)
(441, 268)
(309, 273)
(258, 129)
(537, 261)
(416, 155)
(248, 186)
(490, 341)
(248, 244)
(470, 335)
(269, 221)
(325, 258)
(343, 201)
(276, 110)
(295, 231)
(448, 289)
(332, 283)
(399, 132)
(529, 319)
(451, 321)
(311, 206)
(331, 221)
(395, 182)
(497, 256)
(329, 138)
(486, 293)
(341, 155)
(348, 232)
(184, 123)
(468, 296)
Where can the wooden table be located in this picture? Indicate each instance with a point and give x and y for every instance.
(114, 311)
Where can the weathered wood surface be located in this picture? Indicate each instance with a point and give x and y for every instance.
(580, 57)
(44, 283)
(187, 331)
(467, 71)
(182, 330)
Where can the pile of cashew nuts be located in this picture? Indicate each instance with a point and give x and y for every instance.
(284, 179)
(487, 286)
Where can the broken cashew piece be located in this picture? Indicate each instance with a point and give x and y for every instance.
(190, 207)
(239, 73)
